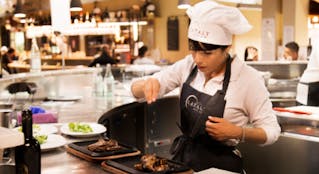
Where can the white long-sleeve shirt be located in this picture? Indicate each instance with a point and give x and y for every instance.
(247, 97)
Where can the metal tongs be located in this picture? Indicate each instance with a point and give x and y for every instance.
(291, 111)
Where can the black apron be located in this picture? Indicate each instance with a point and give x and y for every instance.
(195, 148)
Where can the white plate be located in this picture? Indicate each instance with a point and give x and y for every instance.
(44, 129)
(97, 129)
(65, 98)
(53, 141)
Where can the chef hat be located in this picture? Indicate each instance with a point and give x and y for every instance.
(311, 74)
(214, 23)
(4, 49)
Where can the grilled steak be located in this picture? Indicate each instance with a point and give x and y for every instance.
(104, 145)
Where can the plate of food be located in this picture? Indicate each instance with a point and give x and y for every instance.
(82, 129)
(101, 149)
(51, 141)
(40, 129)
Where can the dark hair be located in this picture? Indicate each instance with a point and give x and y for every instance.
(11, 50)
(200, 46)
(142, 51)
(293, 46)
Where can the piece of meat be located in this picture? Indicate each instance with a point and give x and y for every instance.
(104, 145)
(150, 163)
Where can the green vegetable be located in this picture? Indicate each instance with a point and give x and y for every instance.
(80, 127)
(41, 138)
(36, 128)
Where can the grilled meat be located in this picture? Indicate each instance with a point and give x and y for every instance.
(151, 163)
(104, 145)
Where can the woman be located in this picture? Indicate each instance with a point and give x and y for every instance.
(220, 95)
(142, 58)
(251, 53)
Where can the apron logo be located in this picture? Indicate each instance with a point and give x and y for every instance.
(193, 104)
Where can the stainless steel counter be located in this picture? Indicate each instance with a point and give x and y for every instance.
(59, 161)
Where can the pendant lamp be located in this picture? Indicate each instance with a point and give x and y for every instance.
(76, 5)
(18, 12)
(183, 4)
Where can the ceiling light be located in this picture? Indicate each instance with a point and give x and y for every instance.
(183, 4)
(315, 19)
(18, 12)
(76, 5)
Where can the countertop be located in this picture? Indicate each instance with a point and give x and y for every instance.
(87, 109)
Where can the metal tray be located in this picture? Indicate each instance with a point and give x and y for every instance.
(82, 147)
(127, 165)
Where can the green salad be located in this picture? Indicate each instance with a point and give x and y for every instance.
(35, 129)
(80, 127)
(41, 138)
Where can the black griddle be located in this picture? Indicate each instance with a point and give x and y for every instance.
(82, 147)
(127, 164)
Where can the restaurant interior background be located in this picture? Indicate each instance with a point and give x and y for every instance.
(275, 22)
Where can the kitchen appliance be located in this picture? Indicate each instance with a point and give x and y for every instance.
(308, 93)
(149, 127)
(6, 113)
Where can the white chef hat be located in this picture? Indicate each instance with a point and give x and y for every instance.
(4, 49)
(311, 74)
(214, 23)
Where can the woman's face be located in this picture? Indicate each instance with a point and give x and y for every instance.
(210, 62)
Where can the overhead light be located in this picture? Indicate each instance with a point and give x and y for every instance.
(18, 12)
(76, 5)
(315, 20)
(183, 4)
(249, 6)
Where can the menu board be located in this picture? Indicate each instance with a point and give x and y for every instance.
(172, 33)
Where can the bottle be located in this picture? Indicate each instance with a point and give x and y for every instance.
(309, 48)
(0, 66)
(98, 82)
(28, 155)
(109, 81)
(35, 58)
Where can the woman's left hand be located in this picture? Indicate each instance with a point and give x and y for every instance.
(221, 129)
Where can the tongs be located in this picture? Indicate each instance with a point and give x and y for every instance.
(291, 111)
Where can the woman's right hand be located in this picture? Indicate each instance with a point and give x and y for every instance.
(147, 89)
(151, 89)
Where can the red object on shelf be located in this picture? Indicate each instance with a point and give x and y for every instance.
(291, 111)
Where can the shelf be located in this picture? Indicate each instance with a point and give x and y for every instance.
(86, 28)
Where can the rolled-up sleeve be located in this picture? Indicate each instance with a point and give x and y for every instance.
(260, 112)
(173, 76)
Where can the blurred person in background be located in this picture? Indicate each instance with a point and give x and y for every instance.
(291, 51)
(105, 57)
(7, 58)
(251, 53)
(143, 57)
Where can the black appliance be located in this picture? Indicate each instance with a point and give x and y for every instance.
(149, 127)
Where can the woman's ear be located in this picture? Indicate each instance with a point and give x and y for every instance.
(228, 48)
